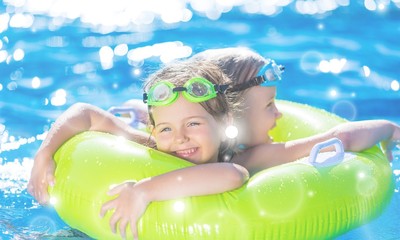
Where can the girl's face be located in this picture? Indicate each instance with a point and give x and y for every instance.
(186, 130)
(259, 116)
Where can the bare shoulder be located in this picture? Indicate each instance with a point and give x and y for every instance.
(261, 156)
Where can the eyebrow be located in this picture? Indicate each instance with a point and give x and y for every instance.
(272, 97)
(185, 119)
(158, 125)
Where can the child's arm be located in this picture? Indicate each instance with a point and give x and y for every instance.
(355, 136)
(76, 119)
(133, 198)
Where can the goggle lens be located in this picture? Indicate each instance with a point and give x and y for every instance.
(195, 90)
(198, 90)
(161, 92)
(269, 75)
(272, 74)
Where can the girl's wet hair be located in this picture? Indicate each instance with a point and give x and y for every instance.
(240, 64)
(181, 71)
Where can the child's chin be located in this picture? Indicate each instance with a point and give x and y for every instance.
(195, 161)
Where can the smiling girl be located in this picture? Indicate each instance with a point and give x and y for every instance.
(188, 114)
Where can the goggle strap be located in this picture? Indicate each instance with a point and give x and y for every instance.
(278, 70)
(179, 89)
(253, 82)
(221, 88)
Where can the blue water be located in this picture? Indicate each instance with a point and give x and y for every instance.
(344, 60)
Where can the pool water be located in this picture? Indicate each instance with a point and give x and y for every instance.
(339, 56)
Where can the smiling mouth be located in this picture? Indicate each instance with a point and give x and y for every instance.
(186, 153)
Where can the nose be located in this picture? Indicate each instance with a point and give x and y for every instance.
(181, 136)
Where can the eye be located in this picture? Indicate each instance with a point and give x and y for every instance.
(270, 104)
(191, 124)
(164, 129)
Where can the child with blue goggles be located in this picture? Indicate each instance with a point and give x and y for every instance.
(254, 78)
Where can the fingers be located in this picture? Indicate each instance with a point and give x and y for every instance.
(43, 196)
(30, 188)
(388, 147)
(39, 192)
(122, 227)
(122, 223)
(115, 189)
(123, 207)
(121, 220)
(133, 226)
(106, 207)
(113, 221)
(51, 179)
(42, 176)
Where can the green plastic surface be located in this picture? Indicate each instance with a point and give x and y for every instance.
(291, 201)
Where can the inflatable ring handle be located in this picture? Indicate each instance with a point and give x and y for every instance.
(134, 122)
(332, 160)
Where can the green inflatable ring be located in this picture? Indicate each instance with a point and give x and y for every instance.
(292, 201)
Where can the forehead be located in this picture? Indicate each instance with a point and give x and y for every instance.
(259, 94)
(179, 110)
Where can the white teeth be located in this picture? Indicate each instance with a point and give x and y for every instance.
(186, 152)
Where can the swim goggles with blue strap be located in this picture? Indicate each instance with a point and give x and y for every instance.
(269, 75)
(195, 90)
(199, 89)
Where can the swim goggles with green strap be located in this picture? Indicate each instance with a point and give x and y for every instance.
(269, 75)
(196, 90)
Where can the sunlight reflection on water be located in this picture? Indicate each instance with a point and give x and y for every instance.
(126, 31)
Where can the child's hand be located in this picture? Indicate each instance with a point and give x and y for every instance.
(389, 145)
(129, 207)
(42, 175)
